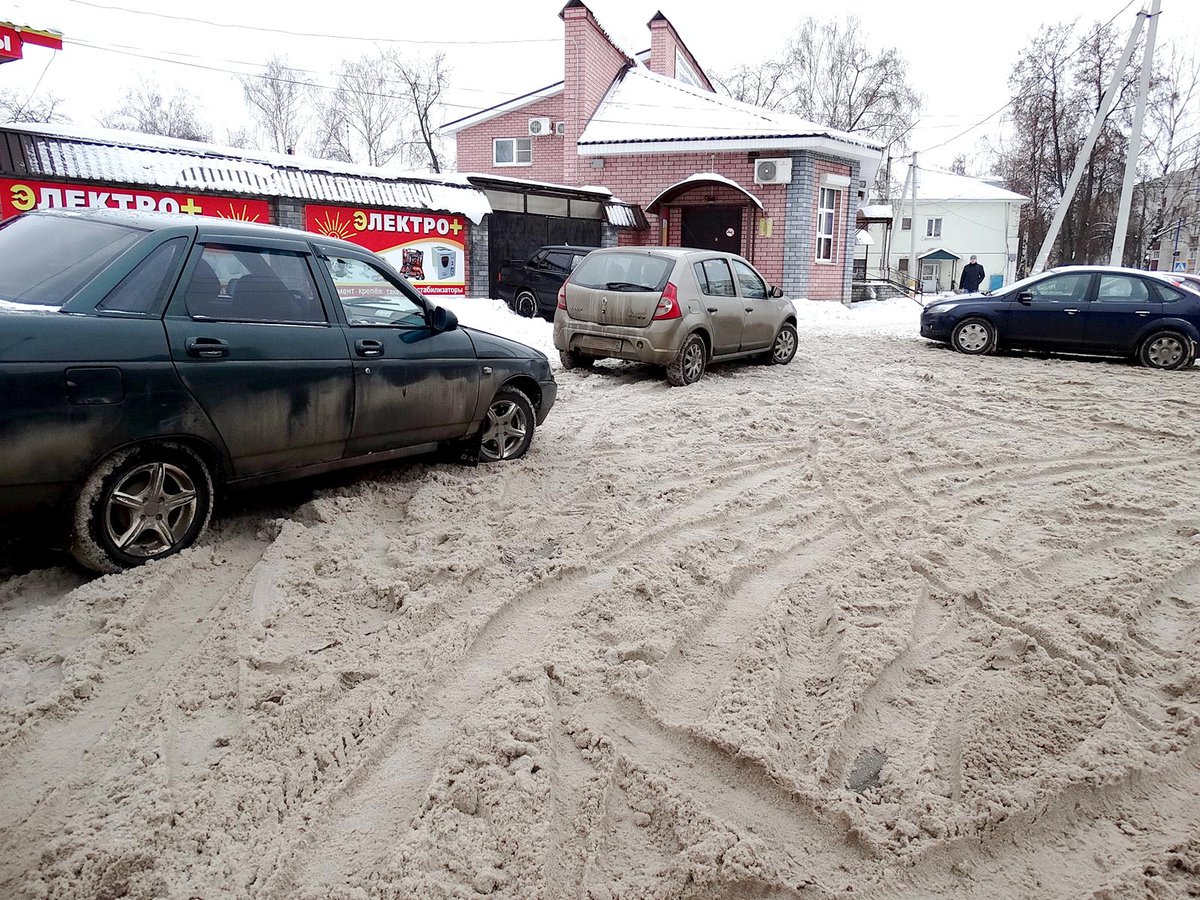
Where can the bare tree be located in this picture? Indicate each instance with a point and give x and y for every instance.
(15, 107)
(831, 74)
(421, 82)
(145, 109)
(361, 120)
(279, 100)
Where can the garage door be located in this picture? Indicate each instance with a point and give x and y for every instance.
(518, 236)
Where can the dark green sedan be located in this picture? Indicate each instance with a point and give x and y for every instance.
(147, 360)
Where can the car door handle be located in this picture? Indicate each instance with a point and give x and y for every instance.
(206, 347)
(1070, 312)
(713, 309)
(749, 309)
(1141, 312)
(368, 347)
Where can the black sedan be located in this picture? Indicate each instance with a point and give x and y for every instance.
(530, 287)
(146, 360)
(1076, 309)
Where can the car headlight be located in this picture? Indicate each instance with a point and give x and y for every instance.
(939, 310)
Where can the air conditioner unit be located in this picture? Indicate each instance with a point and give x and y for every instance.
(773, 171)
(539, 126)
(560, 128)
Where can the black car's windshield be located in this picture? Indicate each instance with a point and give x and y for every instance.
(45, 260)
(623, 272)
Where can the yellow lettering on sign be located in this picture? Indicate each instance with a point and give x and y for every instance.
(360, 220)
(23, 197)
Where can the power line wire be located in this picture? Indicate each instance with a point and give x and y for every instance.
(309, 34)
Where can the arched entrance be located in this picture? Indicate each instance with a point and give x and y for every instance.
(709, 212)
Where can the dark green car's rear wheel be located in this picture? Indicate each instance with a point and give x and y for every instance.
(141, 504)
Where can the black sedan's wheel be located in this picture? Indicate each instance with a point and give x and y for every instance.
(525, 303)
(141, 504)
(784, 347)
(1165, 350)
(974, 336)
(508, 427)
(688, 365)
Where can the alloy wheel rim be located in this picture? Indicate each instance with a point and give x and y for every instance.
(151, 509)
(973, 337)
(1166, 351)
(785, 345)
(506, 430)
(693, 361)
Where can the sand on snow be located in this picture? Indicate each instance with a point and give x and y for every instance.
(887, 622)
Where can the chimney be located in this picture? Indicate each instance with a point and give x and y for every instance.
(591, 62)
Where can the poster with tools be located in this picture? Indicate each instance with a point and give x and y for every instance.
(428, 249)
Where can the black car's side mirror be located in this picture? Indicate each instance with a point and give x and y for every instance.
(441, 319)
(775, 292)
(1025, 297)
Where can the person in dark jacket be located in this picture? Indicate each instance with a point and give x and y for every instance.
(972, 276)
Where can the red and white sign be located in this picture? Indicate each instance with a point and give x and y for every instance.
(14, 37)
(428, 249)
(21, 195)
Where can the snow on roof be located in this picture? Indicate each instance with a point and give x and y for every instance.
(525, 182)
(935, 185)
(645, 107)
(103, 154)
(705, 178)
(877, 211)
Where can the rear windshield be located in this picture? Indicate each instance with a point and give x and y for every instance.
(45, 260)
(623, 272)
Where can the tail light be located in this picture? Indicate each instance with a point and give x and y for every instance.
(668, 304)
(499, 277)
(562, 296)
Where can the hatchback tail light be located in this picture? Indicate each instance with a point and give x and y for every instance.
(562, 296)
(668, 304)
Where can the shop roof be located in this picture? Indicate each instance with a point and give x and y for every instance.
(107, 155)
(644, 109)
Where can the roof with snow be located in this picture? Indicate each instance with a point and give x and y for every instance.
(108, 155)
(935, 185)
(644, 110)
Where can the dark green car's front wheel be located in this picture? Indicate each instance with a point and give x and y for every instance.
(140, 504)
(508, 426)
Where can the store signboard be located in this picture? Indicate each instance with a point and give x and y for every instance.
(429, 249)
(18, 195)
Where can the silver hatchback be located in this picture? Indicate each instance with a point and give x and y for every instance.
(671, 307)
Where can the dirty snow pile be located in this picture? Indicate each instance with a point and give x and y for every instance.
(886, 622)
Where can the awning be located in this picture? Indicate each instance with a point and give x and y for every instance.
(863, 237)
(700, 179)
(625, 215)
(939, 254)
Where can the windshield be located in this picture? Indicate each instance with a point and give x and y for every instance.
(623, 272)
(46, 260)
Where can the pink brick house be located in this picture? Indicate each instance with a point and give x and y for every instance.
(707, 171)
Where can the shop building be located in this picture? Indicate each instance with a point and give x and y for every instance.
(702, 170)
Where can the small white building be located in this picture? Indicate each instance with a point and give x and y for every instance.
(956, 217)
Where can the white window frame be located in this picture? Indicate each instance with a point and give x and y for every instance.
(515, 142)
(906, 223)
(827, 215)
(933, 227)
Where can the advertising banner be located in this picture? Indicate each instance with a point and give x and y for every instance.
(428, 249)
(18, 195)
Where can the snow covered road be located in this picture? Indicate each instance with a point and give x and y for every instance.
(889, 621)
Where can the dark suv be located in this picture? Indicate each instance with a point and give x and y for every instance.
(146, 359)
(530, 288)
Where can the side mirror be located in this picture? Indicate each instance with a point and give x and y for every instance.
(775, 292)
(441, 319)
(1025, 297)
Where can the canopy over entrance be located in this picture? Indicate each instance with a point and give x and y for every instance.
(939, 254)
(699, 180)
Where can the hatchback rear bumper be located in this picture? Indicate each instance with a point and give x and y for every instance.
(654, 344)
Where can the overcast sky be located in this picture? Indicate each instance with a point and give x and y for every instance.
(959, 60)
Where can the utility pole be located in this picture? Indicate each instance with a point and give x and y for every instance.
(912, 230)
(1135, 139)
(897, 218)
(1085, 153)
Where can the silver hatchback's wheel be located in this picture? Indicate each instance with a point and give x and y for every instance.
(973, 336)
(508, 426)
(1165, 350)
(688, 365)
(141, 504)
(525, 304)
(784, 347)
